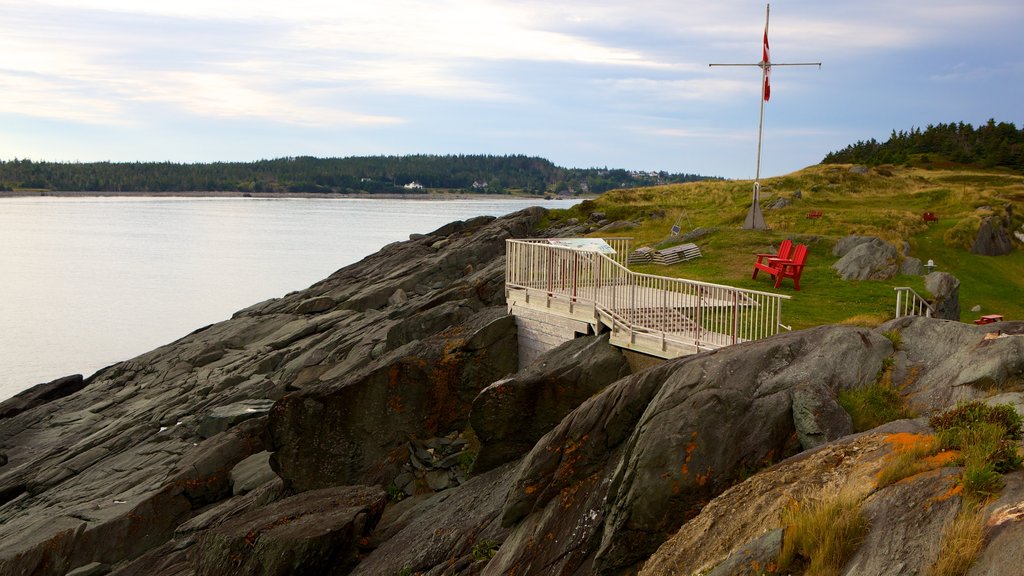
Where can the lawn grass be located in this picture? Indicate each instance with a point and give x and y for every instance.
(886, 202)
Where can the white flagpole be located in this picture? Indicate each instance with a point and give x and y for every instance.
(755, 220)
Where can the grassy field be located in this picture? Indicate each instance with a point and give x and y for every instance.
(886, 202)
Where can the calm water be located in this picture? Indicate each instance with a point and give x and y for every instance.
(86, 282)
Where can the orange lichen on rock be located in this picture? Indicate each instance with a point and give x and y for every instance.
(954, 490)
(944, 458)
(909, 441)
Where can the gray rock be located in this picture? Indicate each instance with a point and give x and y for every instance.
(41, 394)
(1002, 553)
(469, 514)
(848, 243)
(399, 297)
(251, 473)
(950, 362)
(436, 479)
(224, 417)
(617, 226)
(554, 385)
(749, 560)
(778, 203)
(874, 259)
(91, 569)
(424, 388)
(993, 238)
(976, 308)
(316, 305)
(911, 267)
(597, 216)
(817, 415)
(945, 291)
(859, 170)
(907, 522)
(314, 532)
(639, 458)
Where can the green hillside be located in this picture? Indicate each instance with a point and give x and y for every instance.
(884, 201)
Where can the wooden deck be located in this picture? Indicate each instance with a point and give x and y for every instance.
(580, 291)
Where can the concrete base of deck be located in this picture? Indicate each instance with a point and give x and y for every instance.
(544, 321)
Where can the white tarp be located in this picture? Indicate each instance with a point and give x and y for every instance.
(588, 244)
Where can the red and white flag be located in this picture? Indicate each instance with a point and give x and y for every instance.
(766, 63)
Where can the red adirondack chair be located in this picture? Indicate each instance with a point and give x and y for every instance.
(785, 247)
(786, 267)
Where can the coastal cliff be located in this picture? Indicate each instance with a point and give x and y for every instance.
(376, 423)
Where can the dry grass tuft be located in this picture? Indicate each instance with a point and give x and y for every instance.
(821, 535)
(961, 542)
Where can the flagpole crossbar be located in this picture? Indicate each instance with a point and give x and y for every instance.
(755, 220)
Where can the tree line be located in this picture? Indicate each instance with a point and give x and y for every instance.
(370, 174)
(989, 146)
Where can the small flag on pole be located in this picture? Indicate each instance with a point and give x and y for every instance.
(766, 63)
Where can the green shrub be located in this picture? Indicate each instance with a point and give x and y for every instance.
(873, 405)
(987, 437)
(484, 550)
(896, 337)
(971, 413)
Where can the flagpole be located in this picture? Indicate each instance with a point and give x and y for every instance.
(760, 121)
(755, 220)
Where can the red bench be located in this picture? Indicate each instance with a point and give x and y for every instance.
(785, 267)
(929, 217)
(814, 214)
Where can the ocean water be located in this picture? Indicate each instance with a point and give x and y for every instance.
(86, 282)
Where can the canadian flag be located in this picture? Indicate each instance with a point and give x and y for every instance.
(766, 63)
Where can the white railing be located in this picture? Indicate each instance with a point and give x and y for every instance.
(694, 313)
(910, 303)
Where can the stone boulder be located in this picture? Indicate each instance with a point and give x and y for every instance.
(315, 532)
(941, 363)
(906, 518)
(439, 534)
(911, 267)
(872, 259)
(223, 417)
(624, 470)
(993, 238)
(817, 415)
(355, 428)
(41, 394)
(945, 291)
(550, 388)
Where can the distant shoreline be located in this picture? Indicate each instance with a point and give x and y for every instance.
(324, 195)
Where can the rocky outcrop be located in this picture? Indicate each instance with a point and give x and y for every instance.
(941, 363)
(108, 473)
(423, 389)
(41, 394)
(993, 238)
(381, 379)
(945, 291)
(865, 258)
(557, 382)
(315, 532)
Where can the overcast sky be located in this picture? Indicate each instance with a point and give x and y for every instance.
(589, 83)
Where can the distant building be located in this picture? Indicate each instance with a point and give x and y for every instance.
(479, 185)
(414, 185)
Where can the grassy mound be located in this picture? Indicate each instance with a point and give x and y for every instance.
(886, 201)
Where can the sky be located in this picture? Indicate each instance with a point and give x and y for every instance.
(582, 83)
